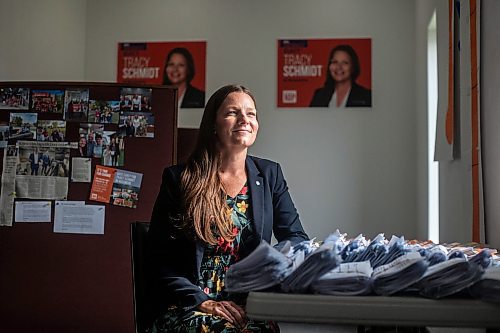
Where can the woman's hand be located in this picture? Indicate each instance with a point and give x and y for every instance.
(227, 310)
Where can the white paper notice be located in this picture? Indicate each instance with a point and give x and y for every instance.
(74, 217)
(80, 169)
(33, 211)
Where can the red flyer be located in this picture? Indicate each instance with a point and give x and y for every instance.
(324, 73)
(102, 184)
(178, 64)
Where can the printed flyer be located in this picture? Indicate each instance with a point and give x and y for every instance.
(126, 188)
(333, 73)
(102, 184)
(178, 64)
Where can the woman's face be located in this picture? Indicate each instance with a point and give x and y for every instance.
(236, 124)
(341, 66)
(82, 142)
(176, 69)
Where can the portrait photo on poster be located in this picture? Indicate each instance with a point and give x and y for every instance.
(329, 73)
(177, 64)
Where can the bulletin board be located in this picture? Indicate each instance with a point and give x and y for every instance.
(57, 282)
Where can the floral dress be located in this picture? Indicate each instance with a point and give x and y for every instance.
(216, 261)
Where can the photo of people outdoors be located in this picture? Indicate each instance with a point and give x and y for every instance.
(51, 130)
(76, 105)
(178, 64)
(135, 99)
(114, 149)
(22, 125)
(329, 73)
(43, 161)
(14, 98)
(133, 124)
(92, 133)
(104, 112)
(47, 101)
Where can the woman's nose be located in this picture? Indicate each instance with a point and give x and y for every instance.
(243, 119)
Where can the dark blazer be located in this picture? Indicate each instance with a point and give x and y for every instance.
(193, 98)
(175, 258)
(358, 97)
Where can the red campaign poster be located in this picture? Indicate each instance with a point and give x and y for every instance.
(102, 185)
(324, 73)
(178, 64)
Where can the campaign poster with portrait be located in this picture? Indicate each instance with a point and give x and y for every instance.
(178, 64)
(333, 73)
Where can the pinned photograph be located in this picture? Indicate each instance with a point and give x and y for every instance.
(76, 105)
(126, 187)
(92, 134)
(133, 124)
(114, 149)
(14, 98)
(4, 136)
(135, 99)
(104, 112)
(51, 130)
(22, 126)
(43, 161)
(47, 101)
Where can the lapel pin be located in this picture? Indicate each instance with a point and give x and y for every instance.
(257, 182)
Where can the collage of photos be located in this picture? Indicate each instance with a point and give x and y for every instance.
(43, 148)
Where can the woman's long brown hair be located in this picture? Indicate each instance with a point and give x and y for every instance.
(204, 201)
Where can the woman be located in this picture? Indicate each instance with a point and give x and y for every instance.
(212, 212)
(114, 151)
(82, 147)
(179, 72)
(340, 88)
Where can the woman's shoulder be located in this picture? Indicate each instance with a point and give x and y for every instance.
(262, 165)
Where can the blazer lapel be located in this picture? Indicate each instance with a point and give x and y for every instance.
(256, 185)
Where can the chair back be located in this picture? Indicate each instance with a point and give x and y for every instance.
(142, 306)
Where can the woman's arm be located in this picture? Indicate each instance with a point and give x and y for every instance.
(287, 225)
(171, 255)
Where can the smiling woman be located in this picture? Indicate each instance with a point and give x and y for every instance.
(340, 88)
(179, 71)
(211, 213)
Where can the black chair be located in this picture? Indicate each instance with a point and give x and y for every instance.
(142, 305)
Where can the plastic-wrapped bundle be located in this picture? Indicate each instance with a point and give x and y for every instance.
(396, 250)
(488, 288)
(483, 258)
(314, 266)
(351, 251)
(374, 251)
(348, 279)
(264, 268)
(399, 274)
(436, 254)
(448, 278)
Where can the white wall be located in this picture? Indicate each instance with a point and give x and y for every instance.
(490, 118)
(42, 40)
(350, 170)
